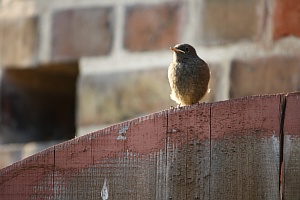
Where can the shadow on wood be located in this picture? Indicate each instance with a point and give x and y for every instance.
(223, 150)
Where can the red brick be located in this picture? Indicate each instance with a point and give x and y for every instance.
(225, 21)
(286, 18)
(152, 27)
(82, 32)
(273, 74)
(18, 40)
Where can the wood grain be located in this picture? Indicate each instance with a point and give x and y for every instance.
(245, 148)
(224, 150)
(291, 147)
(128, 156)
(188, 152)
(31, 178)
(146, 139)
(71, 159)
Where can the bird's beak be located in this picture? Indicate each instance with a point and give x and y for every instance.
(176, 50)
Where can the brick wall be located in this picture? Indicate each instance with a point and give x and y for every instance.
(252, 47)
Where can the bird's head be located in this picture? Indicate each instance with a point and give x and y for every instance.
(184, 51)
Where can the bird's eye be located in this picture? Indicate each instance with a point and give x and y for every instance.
(187, 49)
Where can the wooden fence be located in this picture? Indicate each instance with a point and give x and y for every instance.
(247, 148)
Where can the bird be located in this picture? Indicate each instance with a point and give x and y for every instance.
(188, 75)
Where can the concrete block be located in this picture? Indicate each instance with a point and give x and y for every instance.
(18, 40)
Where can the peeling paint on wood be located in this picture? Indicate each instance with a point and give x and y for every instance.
(244, 162)
(224, 150)
(122, 133)
(104, 191)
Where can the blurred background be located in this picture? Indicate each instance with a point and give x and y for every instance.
(71, 67)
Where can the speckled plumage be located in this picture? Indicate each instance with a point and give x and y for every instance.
(188, 75)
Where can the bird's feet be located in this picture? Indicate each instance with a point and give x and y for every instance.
(178, 107)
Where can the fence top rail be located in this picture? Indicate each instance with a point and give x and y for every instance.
(181, 153)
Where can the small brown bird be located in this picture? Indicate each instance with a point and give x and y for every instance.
(188, 75)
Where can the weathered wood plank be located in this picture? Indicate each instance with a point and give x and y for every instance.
(138, 170)
(72, 158)
(291, 148)
(127, 157)
(108, 148)
(188, 152)
(146, 142)
(130, 157)
(30, 178)
(245, 148)
(104, 157)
